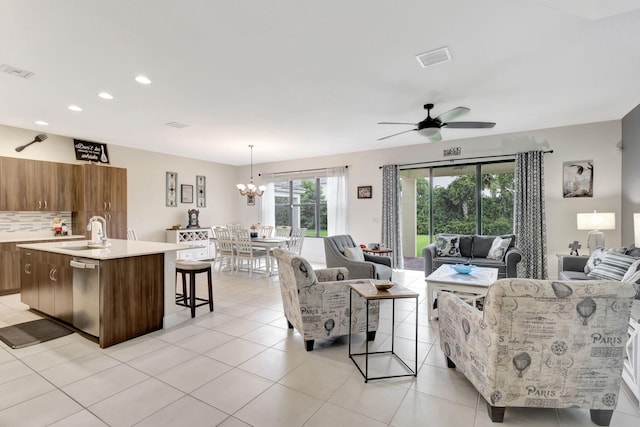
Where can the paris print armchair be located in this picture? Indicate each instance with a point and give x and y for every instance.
(316, 302)
(541, 343)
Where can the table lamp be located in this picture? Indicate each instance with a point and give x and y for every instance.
(636, 229)
(595, 222)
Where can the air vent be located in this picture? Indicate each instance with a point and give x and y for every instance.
(177, 125)
(15, 71)
(434, 57)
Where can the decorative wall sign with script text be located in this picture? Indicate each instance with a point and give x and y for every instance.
(91, 151)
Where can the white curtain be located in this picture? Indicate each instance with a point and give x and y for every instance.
(337, 208)
(268, 205)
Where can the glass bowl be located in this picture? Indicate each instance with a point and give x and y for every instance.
(463, 268)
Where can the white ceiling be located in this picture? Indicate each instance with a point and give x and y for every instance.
(310, 78)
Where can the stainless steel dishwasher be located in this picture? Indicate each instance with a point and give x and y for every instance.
(86, 295)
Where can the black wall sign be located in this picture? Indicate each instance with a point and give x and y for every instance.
(91, 151)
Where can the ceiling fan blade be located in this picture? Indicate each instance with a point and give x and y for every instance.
(396, 123)
(469, 125)
(435, 138)
(453, 114)
(399, 133)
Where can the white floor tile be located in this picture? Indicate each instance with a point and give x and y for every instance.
(186, 411)
(194, 373)
(159, 361)
(232, 390)
(273, 364)
(335, 416)
(42, 410)
(236, 352)
(318, 377)
(79, 368)
(23, 389)
(419, 409)
(83, 418)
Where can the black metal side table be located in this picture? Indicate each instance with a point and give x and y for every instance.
(369, 293)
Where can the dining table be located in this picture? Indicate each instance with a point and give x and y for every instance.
(267, 243)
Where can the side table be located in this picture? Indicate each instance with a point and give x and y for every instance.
(369, 292)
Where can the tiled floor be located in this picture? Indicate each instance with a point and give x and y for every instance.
(241, 366)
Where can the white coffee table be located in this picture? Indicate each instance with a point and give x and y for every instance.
(474, 284)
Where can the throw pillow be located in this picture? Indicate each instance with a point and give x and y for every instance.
(613, 266)
(499, 248)
(635, 279)
(354, 254)
(631, 272)
(448, 245)
(595, 258)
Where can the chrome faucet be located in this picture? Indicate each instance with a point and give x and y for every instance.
(103, 235)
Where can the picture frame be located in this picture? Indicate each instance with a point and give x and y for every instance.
(201, 191)
(364, 192)
(171, 192)
(186, 193)
(577, 178)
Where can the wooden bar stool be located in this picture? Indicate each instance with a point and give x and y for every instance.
(189, 299)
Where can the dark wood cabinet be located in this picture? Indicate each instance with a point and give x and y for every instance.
(9, 268)
(47, 283)
(32, 185)
(101, 191)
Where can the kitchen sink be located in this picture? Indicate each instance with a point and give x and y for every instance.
(83, 247)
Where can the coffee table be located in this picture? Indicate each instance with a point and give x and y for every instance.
(474, 285)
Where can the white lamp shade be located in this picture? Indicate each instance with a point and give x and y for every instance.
(636, 229)
(597, 221)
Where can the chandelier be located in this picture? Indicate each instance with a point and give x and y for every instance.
(250, 190)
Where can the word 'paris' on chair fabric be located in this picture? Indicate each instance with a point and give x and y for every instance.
(244, 251)
(541, 343)
(316, 302)
(372, 267)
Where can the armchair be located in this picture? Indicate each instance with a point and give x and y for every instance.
(541, 343)
(316, 303)
(372, 267)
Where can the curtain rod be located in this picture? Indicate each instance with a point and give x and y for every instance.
(464, 158)
(302, 170)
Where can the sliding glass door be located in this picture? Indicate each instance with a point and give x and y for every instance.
(459, 199)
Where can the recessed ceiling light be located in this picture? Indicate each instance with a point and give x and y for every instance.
(105, 95)
(143, 80)
(41, 123)
(74, 108)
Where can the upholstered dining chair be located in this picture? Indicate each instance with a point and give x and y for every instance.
(541, 344)
(316, 302)
(342, 251)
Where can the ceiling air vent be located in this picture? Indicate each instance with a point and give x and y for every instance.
(434, 57)
(177, 125)
(15, 71)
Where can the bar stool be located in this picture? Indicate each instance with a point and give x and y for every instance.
(192, 268)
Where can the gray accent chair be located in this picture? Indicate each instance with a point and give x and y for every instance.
(474, 249)
(373, 267)
(316, 302)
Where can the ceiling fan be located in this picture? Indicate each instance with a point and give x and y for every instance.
(430, 127)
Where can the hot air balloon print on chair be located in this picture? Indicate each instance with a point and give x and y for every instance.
(505, 350)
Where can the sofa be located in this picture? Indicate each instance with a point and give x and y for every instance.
(473, 249)
(342, 251)
(541, 344)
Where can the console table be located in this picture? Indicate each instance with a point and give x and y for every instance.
(196, 241)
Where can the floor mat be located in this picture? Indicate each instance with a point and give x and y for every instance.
(30, 333)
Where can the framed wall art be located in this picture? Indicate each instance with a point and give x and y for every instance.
(201, 191)
(186, 193)
(577, 178)
(364, 192)
(172, 189)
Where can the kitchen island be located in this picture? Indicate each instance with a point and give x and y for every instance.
(135, 285)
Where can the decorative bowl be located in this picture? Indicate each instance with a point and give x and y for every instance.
(383, 286)
(463, 268)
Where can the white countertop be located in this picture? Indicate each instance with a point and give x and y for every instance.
(32, 237)
(117, 249)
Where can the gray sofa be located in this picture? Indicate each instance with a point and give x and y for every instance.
(474, 249)
(373, 266)
(572, 267)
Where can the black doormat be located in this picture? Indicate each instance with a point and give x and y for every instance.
(30, 333)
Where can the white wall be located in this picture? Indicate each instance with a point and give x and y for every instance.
(146, 180)
(597, 141)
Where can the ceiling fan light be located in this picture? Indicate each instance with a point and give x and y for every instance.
(429, 132)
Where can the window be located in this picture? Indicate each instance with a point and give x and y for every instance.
(302, 203)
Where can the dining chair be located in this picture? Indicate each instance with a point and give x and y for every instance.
(246, 252)
(234, 227)
(297, 239)
(131, 234)
(283, 231)
(226, 252)
(265, 231)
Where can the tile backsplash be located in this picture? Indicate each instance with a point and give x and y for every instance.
(21, 222)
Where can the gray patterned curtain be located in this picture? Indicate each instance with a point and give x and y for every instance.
(391, 234)
(529, 215)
